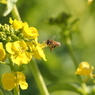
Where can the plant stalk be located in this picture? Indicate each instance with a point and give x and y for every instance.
(16, 90)
(38, 78)
(15, 13)
(68, 43)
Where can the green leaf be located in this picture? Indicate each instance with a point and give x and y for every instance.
(4, 92)
(9, 7)
(66, 86)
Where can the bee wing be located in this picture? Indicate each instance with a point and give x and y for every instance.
(58, 43)
(54, 37)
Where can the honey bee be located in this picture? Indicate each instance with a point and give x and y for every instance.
(52, 44)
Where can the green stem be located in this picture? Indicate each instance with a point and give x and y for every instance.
(16, 90)
(85, 89)
(68, 43)
(11, 64)
(15, 13)
(38, 77)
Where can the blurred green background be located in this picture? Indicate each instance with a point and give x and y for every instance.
(59, 67)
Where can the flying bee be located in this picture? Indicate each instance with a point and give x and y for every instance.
(52, 44)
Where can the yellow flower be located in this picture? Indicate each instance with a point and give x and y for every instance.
(84, 69)
(15, 47)
(39, 53)
(37, 50)
(29, 32)
(22, 58)
(11, 80)
(2, 52)
(18, 51)
(16, 24)
(89, 1)
(34, 32)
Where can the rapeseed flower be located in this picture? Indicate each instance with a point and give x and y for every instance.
(21, 42)
(11, 80)
(16, 24)
(29, 32)
(37, 49)
(18, 52)
(85, 69)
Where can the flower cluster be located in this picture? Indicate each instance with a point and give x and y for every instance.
(85, 69)
(19, 42)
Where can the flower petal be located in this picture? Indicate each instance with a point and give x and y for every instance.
(23, 85)
(8, 81)
(2, 52)
(22, 58)
(16, 24)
